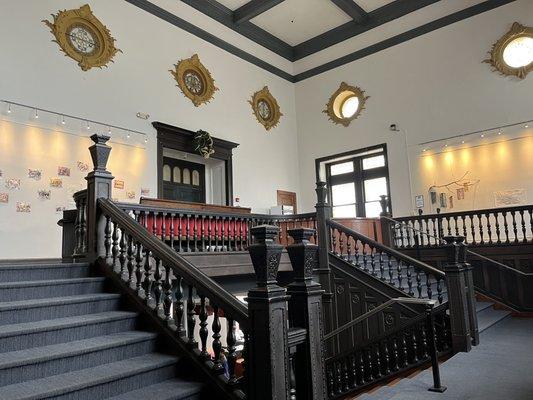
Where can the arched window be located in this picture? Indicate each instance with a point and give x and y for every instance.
(195, 178)
(176, 175)
(186, 176)
(166, 173)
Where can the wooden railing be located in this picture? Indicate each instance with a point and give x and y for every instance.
(415, 342)
(412, 276)
(198, 231)
(495, 226)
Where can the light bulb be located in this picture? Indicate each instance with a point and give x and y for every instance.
(36, 114)
(482, 135)
(526, 126)
(145, 140)
(63, 122)
(424, 150)
(128, 135)
(9, 108)
(499, 132)
(462, 142)
(108, 130)
(88, 126)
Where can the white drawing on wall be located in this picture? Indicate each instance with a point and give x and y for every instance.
(506, 198)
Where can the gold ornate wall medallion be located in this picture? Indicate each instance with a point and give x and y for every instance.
(265, 108)
(194, 80)
(346, 104)
(82, 37)
(512, 54)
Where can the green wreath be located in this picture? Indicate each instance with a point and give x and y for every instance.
(203, 143)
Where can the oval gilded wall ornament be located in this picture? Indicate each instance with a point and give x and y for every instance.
(194, 80)
(82, 37)
(265, 108)
(346, 104)
(512, 54)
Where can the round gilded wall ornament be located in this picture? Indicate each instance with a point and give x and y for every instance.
(82, 37)
(512, 54)
(194, 80)
(345, 104)
(265, 108)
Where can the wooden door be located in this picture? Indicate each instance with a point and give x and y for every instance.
(287, 199)
(183, 180)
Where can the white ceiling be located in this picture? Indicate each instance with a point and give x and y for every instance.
(371, 5)
(233, 4)
(295, 21)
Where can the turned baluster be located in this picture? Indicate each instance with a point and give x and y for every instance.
(163, 227)
(401, 239)
(202, 232)
(188, 233)
(107, 239)
(345, 377)
(235, 233)
(217, 344)
(473, 229)
(423, 343)
(180, 231)
(456, 225)
(83, 225)
(353, 372)
(524, 238)
(167, 296)
(404, 350)
(122, 253)
(139, 267)
(373, 260)
(448, 225)
(224, 234)
(209, 232)
(179, 309)
(334, 241)
(331, 381)
(191, 322)
(439, 290)
(505, 226)
(356, 253)
(147, 283)
(136, 216)
(131, 257)
(154, 223)
(144, 219)
(435, 231)
(414, 346)
(428, 286)
(386, 358)
(399, 275)
(348, 248)
(409, 280)
(115, 249)
(391, 270)
(338, 377)
(515, 230)
(531, 221)
(231, 340)
(158, 286)
(394, 356)
(171, 229)
(428, 232)
(463, 219)
(497, 225)
(204, 332)
(381, 267)
(365, 249)
(418, 283)
(217, 232)
(341, 244)
(489, 227)
(195, 233)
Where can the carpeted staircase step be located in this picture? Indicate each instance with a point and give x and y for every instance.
(40, 362)
(489, 316)
(17, 312)
(14, 272)
(482, 305)
(61, 330)
(173, 389)
(99, 382)
(24, 290)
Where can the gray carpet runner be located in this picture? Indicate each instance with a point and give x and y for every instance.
(62, 336)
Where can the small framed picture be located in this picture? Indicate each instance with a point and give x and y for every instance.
(443, 200)
(60, 209)
(35, 174)
(63, 171)
(130, 194)
(13, 184)
(56, 183)
(118, 184)
(419, 201)
(4, 198)
(460, 193)
(83, 166)
(145, 192)
(23, 207)
(44, 194)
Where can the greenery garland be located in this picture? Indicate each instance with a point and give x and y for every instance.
(203, 143)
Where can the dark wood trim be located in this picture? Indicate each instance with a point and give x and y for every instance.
(181, 139)
(351, 8)
(252, 9)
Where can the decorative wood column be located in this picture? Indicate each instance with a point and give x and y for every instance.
(305, 311)
(386, 229)
(268, 371)
(456, 270)
(98, 186)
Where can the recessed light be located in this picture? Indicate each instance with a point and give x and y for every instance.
(482, 135)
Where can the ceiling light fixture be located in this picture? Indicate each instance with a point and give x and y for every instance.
(63, 122)
(36, 115)
(9, 108)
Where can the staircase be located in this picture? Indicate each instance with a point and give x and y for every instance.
(65, 335)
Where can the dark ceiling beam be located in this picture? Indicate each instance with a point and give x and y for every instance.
(351, 8)
(380, 16)
(224, 15)
(252, 9)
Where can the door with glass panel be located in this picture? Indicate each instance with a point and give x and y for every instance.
(183, 180)
(356, 184)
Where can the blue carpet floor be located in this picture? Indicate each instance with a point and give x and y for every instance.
(500, 368)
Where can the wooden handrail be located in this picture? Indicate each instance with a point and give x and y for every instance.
(471, 212)
(388, 250)
(232, 307)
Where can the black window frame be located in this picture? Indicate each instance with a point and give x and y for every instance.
(358, 176)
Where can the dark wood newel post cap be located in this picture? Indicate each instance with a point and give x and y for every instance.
(321, 192)
(301, 235)
(384, 203)
(303, 253)
(456, 249)
(265, 254)
(100, 151)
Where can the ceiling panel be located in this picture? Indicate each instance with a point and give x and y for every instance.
(233, 4)
(295, 21)
(371, 5)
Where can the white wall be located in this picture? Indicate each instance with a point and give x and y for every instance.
(434, 86)
(33, 71)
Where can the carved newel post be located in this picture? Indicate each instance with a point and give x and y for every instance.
(98, 186)
(386, 226)
(268, 370)
(305, 311)
(460, 297)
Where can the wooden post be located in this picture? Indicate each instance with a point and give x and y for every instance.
(387, 236)
(323, 213)
(268, 370)
(98, 186)
(305, 311)
(456, 271)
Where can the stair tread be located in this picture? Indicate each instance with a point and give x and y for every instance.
(50, 282)
(44, 264)
(52, 324)
(166, 390)
(482, 305)
(489, 317)
(69, 349)
(71, 381)
(52, 301)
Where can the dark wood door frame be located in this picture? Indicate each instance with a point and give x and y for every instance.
(180, 139)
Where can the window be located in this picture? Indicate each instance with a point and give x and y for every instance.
(356, 183)
(166, 173)
(176, 175)
(186, 176)
(195, 178)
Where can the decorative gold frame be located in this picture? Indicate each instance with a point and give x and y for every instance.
(496, 53)
(105, 48)
(208, 83)
(275, 112)
(337, 99)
